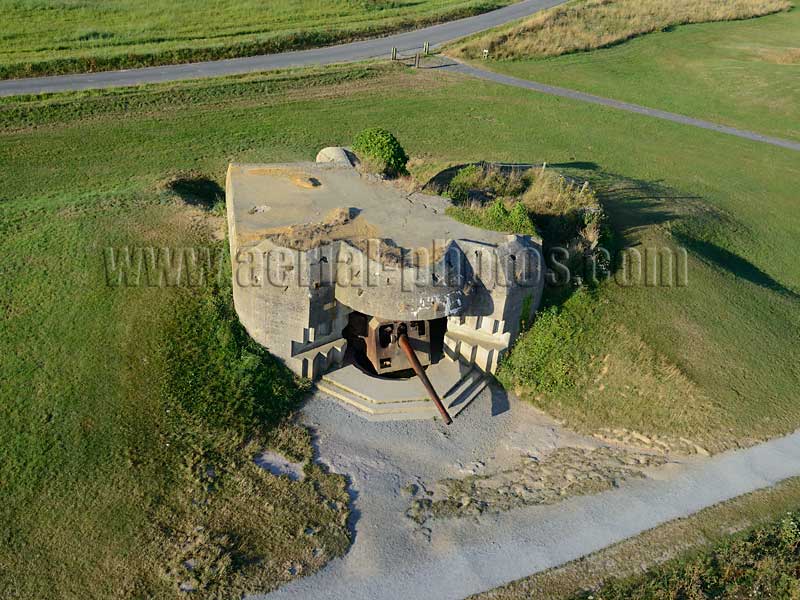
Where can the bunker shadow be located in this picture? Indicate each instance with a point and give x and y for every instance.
(499, 398)
(735, 264)
(632, 205)
(196, 189)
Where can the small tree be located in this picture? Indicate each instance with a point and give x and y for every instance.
(381, 151)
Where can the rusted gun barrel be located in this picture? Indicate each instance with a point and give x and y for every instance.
(403, 342)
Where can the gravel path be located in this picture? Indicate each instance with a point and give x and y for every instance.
(409, 42)
(393, 558)
(464, 69)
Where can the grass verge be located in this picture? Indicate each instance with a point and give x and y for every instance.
(590, 24)
(686, 551)
(741, 74)
(75, 38)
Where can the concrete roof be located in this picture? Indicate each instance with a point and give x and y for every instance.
(267, 198)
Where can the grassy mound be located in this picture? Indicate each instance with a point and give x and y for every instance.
(588, 24)
(585, 360)
(226, 399)
(580, 363)
(135, 414)
(84, 431)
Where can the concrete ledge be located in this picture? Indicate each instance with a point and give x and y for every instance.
(381, 399)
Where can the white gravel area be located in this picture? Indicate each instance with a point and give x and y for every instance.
(277, 464)
(393, 557)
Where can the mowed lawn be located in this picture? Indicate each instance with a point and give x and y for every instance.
(85, 465)
(55, 36)
(745, 73)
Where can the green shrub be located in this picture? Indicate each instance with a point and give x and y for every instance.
(763, 563)
(547, 357)
(381, 150)
(496, 217)
(486, 182)
(465, 181)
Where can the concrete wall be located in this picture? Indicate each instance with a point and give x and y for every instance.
(296, 303)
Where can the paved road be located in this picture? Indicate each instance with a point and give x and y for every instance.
(406, 43)
(390, 560)
(458, 67)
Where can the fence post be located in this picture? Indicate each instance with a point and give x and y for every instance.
(416, 60)
(394, 53)
(427, 48)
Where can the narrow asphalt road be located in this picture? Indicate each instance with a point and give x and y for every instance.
(464, 69)
(406, 43)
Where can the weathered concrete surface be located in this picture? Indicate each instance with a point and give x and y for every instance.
(335, 154)
(385, 399)
(312, 242)
(269, 197)
(392, 558)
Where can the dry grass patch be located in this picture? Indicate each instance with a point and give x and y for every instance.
(566, 211)
(590, 24)
(787, 56)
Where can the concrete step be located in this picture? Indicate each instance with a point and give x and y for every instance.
(385, 411)
(387, 399)
(479, 350)
(315, 361)
(376, 391)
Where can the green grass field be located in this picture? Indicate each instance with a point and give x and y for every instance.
(744, 73)
(131, 416)
(60, 36)
(91, 491)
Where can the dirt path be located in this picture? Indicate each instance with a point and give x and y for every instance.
(392, 464)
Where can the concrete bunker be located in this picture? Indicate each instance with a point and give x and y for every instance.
(333, 269)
